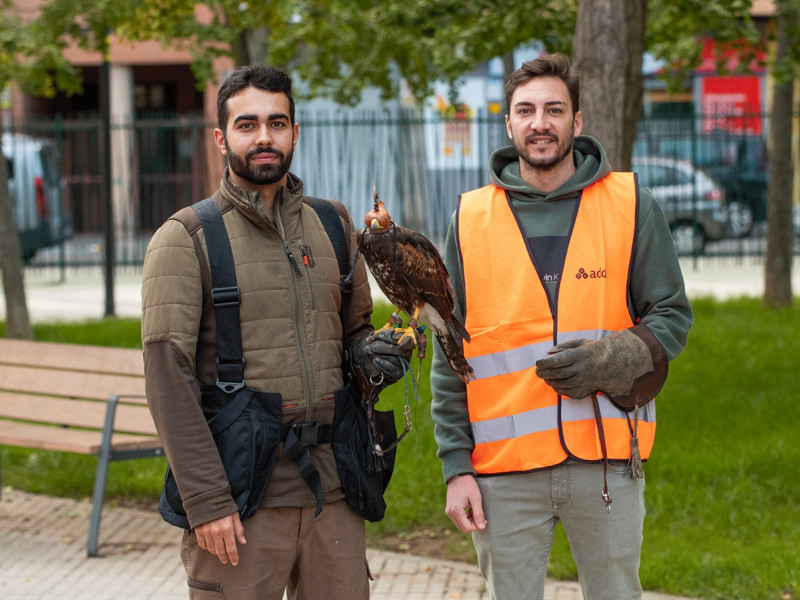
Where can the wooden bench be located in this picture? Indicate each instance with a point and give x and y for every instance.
(74, 398)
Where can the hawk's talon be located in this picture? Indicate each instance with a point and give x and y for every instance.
(408, 333)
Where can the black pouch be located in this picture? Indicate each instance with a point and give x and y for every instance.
(364, 475)
(246, 425)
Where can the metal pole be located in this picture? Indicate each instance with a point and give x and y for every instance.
(105, 95)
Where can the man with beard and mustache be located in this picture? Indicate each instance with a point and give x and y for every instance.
(303, 538)
(569, 284)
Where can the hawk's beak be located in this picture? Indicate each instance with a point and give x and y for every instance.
(375, 225)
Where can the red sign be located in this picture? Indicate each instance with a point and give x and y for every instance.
(731, 104)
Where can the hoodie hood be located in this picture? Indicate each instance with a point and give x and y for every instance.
(590, 162)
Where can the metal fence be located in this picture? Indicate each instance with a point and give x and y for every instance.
(420, 162)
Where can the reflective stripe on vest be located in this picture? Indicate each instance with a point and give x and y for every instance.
(519, 423)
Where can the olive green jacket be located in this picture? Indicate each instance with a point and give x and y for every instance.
(291, 336)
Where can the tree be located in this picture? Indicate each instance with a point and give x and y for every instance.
(608, 49)
(676, 28)
(778, 264)
(339, 48)
(18, 323)
(17, 320)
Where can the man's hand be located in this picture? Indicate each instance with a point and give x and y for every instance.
(579, 368)
(379, 358)
(219, 537)
(464, 504)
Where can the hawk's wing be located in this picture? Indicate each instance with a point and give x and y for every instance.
(409, 270)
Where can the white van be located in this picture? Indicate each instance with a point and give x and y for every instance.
(34, 182)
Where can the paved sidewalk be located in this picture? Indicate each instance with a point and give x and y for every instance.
(43, 557)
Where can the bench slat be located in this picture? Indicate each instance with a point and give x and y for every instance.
(27, 435)
(130, 418)
(97, 386)
(71, 357)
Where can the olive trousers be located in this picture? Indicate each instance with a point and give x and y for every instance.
(287, 550)
(522, 511)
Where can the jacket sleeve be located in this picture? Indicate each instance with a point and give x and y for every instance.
(171, 311)
(658, 294)
(451, 429)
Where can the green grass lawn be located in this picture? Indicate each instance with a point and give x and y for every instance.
(723, 502)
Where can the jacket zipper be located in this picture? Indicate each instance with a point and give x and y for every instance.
(305, 367)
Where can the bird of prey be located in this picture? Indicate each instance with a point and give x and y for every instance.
(412, 275)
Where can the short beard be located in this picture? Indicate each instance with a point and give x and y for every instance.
(259, 174)
(545, 163)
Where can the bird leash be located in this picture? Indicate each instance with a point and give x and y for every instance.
(634, 466)
(376, 464)
(408, 425)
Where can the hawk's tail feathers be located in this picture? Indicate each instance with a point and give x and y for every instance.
(455, 356)
(457, 329)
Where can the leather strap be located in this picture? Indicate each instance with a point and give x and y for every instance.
(601, 433)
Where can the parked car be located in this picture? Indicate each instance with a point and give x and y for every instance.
(737, 161)
(34, 182)
(693, 202)
(746, 186)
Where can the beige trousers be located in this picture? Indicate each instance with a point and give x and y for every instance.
(287, 549)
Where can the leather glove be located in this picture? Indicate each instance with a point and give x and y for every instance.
(378, 358)
(612, 365)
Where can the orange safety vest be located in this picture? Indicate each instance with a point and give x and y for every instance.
(518, 422)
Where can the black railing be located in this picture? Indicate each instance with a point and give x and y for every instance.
(420, 163)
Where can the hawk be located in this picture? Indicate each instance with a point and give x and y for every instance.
(412, 275)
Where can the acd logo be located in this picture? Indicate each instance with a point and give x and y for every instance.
(584, 274)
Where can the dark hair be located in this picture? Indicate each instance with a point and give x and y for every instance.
(263, 77)
(550, 65)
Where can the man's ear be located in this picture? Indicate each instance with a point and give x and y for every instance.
(219, 139)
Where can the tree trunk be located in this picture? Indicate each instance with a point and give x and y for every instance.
(778, 265)
(253, 46)
(18, 323)
(508, 68)
(607, 53)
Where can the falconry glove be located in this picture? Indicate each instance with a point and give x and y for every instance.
(379, 360)
(629, 367)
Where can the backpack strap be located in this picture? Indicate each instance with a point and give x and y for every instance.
(225, 296)
(332, 223)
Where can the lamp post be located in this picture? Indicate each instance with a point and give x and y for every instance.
(105, 106)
